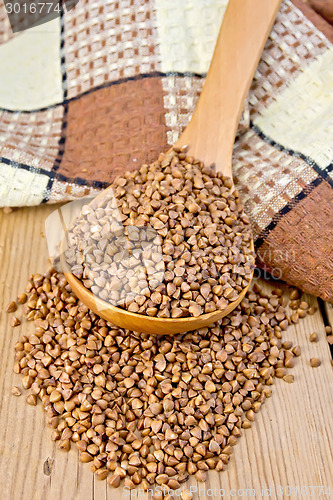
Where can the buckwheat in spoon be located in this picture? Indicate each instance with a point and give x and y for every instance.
(168, 248)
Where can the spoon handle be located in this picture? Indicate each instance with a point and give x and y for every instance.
(211, 132)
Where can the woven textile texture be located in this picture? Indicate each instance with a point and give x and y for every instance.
(111, 83)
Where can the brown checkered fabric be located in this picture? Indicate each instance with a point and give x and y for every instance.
(5, 29)
(110, 84)
(36, 135)
(108, 41)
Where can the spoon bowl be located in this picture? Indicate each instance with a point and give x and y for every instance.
(140, 322)
(209, 137)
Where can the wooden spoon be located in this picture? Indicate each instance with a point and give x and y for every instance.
(209, 137)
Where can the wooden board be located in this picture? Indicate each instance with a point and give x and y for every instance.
(290, 444)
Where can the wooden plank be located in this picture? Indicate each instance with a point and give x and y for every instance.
(290, 444)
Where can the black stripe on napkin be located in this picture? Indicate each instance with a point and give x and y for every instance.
(62, 140)
(105, 85)
(297, 154)
(55, 175)
(278, 216)
(322, 175)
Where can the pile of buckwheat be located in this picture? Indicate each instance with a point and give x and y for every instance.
(143, 409)
(169, 240)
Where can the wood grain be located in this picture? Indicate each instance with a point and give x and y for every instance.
(210, 135)
(291, 442)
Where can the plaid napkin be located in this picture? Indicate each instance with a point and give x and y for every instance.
(109, 84)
